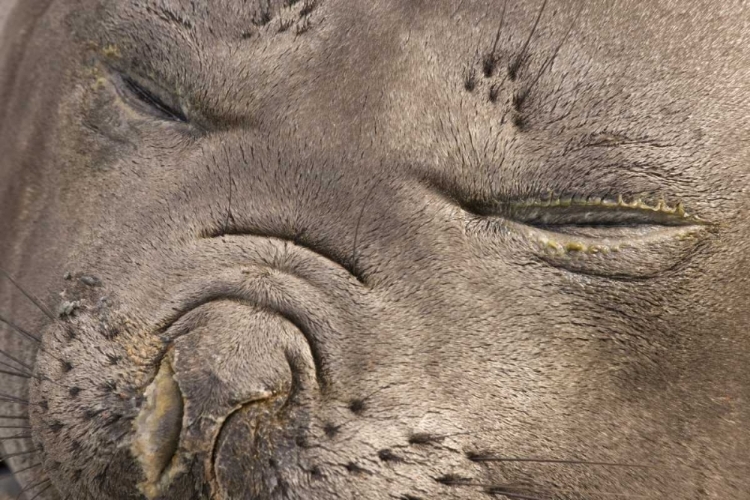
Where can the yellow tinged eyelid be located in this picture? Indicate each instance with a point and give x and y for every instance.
(662, 207)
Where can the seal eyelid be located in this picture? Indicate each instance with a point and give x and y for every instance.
(569, 211)
(598, 216)
(150, 99)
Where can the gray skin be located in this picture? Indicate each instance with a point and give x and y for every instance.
(379, 249)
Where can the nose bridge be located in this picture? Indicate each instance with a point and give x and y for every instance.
(369, 216)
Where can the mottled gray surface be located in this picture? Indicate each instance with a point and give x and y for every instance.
(379, 249)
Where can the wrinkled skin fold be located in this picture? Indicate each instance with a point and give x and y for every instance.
(333, 249)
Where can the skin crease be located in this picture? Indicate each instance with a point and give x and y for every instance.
(322, 267)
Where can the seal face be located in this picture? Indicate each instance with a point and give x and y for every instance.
(326, 249)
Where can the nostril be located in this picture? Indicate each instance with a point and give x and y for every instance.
(157, 429)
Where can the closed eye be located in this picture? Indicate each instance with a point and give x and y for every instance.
(608, 238)
(561, 213)
(146, 98)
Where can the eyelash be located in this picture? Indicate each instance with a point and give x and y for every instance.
(157, 106)
(600, 212)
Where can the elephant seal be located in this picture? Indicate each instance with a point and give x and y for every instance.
(327, 249)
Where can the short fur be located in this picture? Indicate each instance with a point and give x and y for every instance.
(339, 231)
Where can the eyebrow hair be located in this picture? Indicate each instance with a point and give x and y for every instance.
(171, 17)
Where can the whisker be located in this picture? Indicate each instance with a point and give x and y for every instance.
(16, 360)
(359, 222)
(20, 330)
(526, 492)
(19, 454)
(516, 64)
(11, 438)
(515, 496)
(521, 97)
(31, 487)
(14, 374)
(5, 397)
(34, 466)
(41, 491)
(15, 427)
(475, 457)
(29, 336)
(13, 417)
(28, 295)
(9, 473)
(490, 60)
(507, 490)
(500, 27)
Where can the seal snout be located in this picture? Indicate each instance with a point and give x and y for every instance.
(232, 364)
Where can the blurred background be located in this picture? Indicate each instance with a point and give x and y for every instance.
(9, 490)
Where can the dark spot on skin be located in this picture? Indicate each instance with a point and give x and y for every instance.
(74, 392)
(308, 7)
(494, 92)
(75, 446)
(354, 468)
(518, 99)
(91, 414)
(409, 497)
(109, 386)
(387, 455)
(488, 65)
(470, 80)
(111, 333)
(56, 426)
(272, 463)
(285, 24)
(90, 280)
(67, 275)
(316, 473)
(112, 419)
(424, 438)
(519, 121)
(301, 441)
(513, 69)
(357, 406)
(113, 359)
(264, 16)
(291, 3)
(66, 366)
(44, 405)
(70, 333)
(330, 429)
(77, 475)
(452, 480)
(303, 27)
(54, 465)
